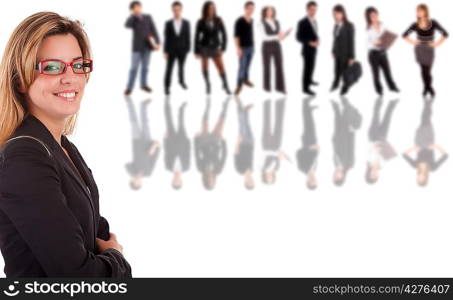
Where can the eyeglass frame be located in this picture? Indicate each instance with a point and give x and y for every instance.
(39, 64)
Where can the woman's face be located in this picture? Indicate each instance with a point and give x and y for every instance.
(211, 10)
(421, 13)
(57, 96)
(338, 16)
(269, 13)
(374, 17)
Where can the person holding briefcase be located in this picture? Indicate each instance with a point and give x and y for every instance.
(343, 47)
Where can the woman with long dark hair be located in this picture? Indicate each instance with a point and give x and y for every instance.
(425, 27)
(343, 46)
(210, 43)
(272, 36)
(377, 55)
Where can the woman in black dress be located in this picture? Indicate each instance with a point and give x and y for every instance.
(210, 43)
(425, 27)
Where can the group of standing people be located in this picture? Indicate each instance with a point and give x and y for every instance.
(211, 39)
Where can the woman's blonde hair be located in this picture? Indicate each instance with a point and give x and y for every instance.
(17, 69)
(424, 8)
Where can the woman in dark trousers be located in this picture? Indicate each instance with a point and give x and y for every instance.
(272, 49)
(210, 43)
(377, 55)
(343, 46)
(49, 202)
(425, 44)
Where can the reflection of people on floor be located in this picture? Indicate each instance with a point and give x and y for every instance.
(425, 160)
(243, 155)
(210, 147)
(272, 140)
(176, 145)
(307, 155)
(346, 122)
(381, 150)
(145, 150)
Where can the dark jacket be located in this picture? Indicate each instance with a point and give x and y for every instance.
(211, 37)
(49, 215)
(343, 44)
(174, 43)
(142, 27)
(306, 34)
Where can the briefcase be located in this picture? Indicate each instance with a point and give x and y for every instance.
(352, 74)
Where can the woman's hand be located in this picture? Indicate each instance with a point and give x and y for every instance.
(111, 243)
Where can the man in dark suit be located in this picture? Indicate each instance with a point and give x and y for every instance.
(307, 34)
(176, 45)
(145, 39)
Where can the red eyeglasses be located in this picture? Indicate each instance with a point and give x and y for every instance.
(57, 67)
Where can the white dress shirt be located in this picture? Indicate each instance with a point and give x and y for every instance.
(177, 24)
(373, 35)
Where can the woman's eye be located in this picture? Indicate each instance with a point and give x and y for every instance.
(77, 66)
(51, 68)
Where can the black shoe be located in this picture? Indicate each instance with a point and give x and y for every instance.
(425, 92)
(432, 92)
(226, 89)
(380, 93)
(127, 92)
(333, 88)
(167, 91)
(183, 85)
(314, 83)
(395, 89)
(147, 89)
(344, 90)
(309, 92)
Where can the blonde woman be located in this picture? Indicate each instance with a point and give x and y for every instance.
(425, 27)
(49, 202)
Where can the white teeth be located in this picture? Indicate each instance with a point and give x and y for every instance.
(67, 95)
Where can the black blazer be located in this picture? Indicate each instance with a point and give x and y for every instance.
(49, 215)
(214, 37)
(142, 28)
(174, 43)
(306, 34)
(343, 44)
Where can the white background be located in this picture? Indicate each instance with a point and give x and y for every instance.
(393, 228)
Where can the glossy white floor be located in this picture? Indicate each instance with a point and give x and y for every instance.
(392, 228)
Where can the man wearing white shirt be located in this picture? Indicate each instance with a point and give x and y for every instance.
(176, 45)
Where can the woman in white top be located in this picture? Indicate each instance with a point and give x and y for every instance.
(272, 35)
(377, 55)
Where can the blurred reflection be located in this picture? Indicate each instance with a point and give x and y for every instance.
(425, 160)
(176, 145)
(210, 147)
(243, 155)
(145, 150)
(380, 150)
(347, 121)
(307, 155)
(272, 140)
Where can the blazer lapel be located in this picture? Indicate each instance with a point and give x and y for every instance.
(70, 169)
